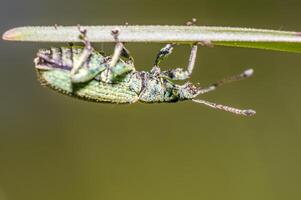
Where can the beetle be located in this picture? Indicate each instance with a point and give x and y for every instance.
(88, 74)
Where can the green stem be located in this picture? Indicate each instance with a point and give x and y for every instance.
(225, 36)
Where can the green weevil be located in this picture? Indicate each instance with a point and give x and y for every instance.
(91, 75)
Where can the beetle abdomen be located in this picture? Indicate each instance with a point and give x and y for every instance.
(65, 57)
(98, 91)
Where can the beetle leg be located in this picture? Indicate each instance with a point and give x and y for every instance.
(86, 52)
(247, 73)
(180, 73)
(120, 50)
(125, 53)
(167, 49)
(81, 70)
(163, 53)
(118, 68)
(84, 56)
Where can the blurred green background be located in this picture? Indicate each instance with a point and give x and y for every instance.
(56, 147)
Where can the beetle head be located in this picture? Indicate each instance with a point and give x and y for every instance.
(188, 91)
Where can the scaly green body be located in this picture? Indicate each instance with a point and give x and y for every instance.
(90, 75)
(54, 66)
(94, 90)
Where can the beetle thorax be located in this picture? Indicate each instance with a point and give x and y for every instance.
(158, 89)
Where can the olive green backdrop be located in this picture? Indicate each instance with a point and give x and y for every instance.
(53, 147)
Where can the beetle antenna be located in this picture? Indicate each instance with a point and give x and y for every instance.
(245, 74)
(237, 111)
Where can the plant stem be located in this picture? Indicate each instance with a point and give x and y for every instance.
(225, 36)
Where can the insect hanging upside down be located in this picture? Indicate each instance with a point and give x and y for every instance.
(88, 74)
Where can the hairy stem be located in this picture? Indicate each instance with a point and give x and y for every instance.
(225, 36)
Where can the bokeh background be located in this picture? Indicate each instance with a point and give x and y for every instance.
(56, 147)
